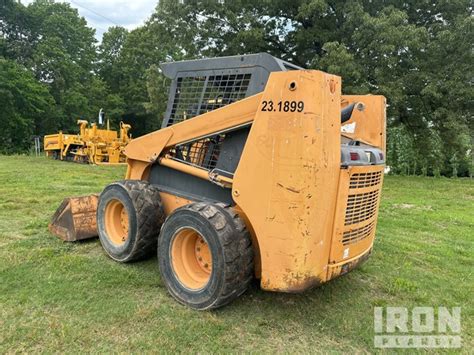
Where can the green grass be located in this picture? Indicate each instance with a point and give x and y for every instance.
(57, 296)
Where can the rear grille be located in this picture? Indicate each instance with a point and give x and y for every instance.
(355, 235)
(361, 180)
(355, 229)
(361, 207)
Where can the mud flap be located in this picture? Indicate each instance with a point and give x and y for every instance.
(75, 219)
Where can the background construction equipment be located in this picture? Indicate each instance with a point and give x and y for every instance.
(91, 145)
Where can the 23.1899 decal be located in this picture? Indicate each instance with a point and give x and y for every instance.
(285, 106)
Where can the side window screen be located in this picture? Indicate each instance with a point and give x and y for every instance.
(201, 94)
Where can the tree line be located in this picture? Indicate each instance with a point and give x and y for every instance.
(417, 53)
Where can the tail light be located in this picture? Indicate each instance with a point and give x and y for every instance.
(355, 156)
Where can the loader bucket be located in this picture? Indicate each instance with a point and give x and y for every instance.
(75, 219)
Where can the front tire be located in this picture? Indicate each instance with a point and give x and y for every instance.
(129, 217)
(205, 255)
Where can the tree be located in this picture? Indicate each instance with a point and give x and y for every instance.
(57, 46)
(157, 93)
(64, 58)
(416, 53)
(26, 106)
(168, 35)
(110, 51)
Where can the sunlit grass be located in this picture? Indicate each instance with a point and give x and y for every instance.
(70, 297)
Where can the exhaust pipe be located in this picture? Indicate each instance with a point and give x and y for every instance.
(346, 112)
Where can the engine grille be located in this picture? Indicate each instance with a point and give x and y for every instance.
(360, 180)
(361, 207)
(354, 235)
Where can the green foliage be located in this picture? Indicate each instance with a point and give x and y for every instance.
(156, 88)
(58, 50)
(24, 103)
(398, 49)
(109, 56)
(416, 53)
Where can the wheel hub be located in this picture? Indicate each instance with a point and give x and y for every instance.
(116, 222)
(191, 258)
(203, 254)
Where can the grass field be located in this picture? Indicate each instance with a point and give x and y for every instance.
(57, 296)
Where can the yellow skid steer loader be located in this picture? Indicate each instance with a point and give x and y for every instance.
(261, 169)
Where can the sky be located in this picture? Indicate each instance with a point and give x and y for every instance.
(101, 14)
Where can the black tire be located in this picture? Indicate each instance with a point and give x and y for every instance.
(144, 213)
(230, 248)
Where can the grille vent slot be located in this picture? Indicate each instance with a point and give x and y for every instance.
(355, 235)
(361, 207)
(361, 180)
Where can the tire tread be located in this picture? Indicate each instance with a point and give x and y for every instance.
(237, 245)
(150, 216)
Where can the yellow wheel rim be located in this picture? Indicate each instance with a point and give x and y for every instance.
(191, 258)
(116, 222)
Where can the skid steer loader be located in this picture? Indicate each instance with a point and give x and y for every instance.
(261, 169)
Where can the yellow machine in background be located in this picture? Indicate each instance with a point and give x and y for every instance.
(91, 145)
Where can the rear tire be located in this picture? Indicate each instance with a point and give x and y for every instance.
(205, 255)
(129, 217)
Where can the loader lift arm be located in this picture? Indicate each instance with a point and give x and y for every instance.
(143, 151)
